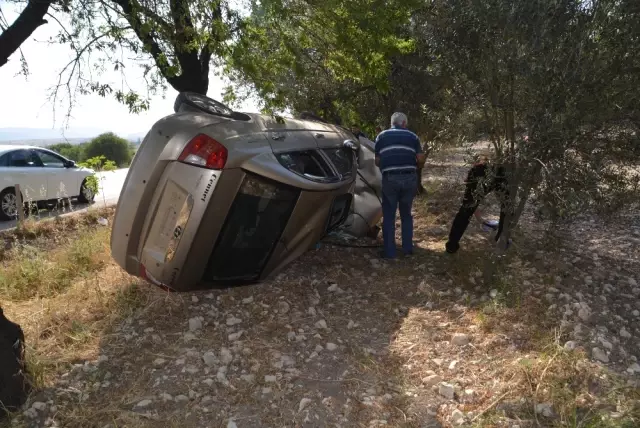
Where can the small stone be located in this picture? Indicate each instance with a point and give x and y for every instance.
(624, 333)
(195, 324)
(446, 390)
(584, 314)
(247, 300)
(599, 355)
(166, 397)
(633, 282)
(303, 403)
(39, 405)
(544, 409)
(452, 364)
(634, 368)
(460, 339)
(321, 324)
(432, 380)
(283, 307)
(181, 398)
(233, 321)
(102, 359)
(570, 345)
(312, 311)
(231, 424)
(143, 403)
(270, 379)
(209, 358)
(235, 336)
(457, 417)
(636, 313)
(331, 346)
(493, 293)
(195, 299)
(226, 356)
(334, 289)
(249, 378)
(351, 324)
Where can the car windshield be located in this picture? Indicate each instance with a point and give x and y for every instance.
(342, 159)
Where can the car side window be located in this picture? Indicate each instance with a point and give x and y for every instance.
(23, 158)
(4, 160)
(49, 160)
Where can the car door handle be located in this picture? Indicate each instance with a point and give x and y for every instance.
(319, 135)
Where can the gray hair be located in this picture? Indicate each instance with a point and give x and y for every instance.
(399, 119)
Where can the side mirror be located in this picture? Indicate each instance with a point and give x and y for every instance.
(70, 164)
(350, 144)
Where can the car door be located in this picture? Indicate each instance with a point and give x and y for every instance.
(24, 168)
(61, 181)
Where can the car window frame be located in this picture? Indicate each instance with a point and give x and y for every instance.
(39, 152)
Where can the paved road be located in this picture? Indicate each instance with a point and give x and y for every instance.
(111, 184)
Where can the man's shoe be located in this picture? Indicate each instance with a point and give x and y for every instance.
(451, 248)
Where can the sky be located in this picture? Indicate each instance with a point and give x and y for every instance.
(25, 102)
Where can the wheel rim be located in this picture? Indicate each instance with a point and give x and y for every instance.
(87, 192)
(9, 207)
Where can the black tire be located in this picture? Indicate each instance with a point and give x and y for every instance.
(86, 195)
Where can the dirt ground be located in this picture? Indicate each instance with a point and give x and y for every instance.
(342, 338)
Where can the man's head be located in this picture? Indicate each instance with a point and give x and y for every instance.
(399, 120)
(484, 155)
(355, 129)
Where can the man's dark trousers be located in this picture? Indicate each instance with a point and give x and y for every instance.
(398, 190)
(481, 181)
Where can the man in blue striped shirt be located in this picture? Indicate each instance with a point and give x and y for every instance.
(398, 155)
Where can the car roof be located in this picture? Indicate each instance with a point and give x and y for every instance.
(4, 148)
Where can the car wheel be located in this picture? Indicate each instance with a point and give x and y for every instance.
(87, 195)
(8, 204)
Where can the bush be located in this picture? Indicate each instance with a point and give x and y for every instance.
(111, 147)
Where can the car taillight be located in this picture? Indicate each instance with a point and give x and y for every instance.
(204, 151)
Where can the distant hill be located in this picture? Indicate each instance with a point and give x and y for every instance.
(45, 137)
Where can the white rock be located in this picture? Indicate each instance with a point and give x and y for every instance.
(460, 339)
(270, 378)
(633, 282)
(636, 313)
(446, 390)
(209, 358)
(351, 324)
(195, 324)
(194, 299)
(493, 293)
(634, 368)
(321, 324)
(544, 409)
(188, 336)
(334, 289)
(225, 355)
(231, 424)
(432, 380)
(143, 403)
(235, 336)
(570, 345)
(233, 321)
(457, 417)
(624, 333)
(452, 364)
(312, 311)
(599, 355)
(249, 378)
(331, 346)
(181, 398)
(283, 307)
(39, 405)
(208, 382)
(584, 314)
(166, 397)
(303, 403)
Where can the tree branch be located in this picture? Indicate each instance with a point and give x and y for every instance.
(17, 33)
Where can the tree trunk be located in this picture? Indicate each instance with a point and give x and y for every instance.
(17, 33)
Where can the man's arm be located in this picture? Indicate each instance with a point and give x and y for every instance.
(420, 156)
(377, 148)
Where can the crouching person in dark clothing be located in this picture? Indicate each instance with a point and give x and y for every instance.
(482, 179)
(14, 385)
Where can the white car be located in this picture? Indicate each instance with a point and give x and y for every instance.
(43, 176)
